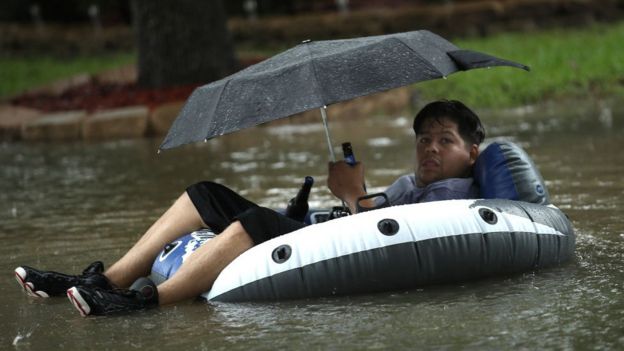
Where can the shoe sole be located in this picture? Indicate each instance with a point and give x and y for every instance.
(78, 301)
(28, 287)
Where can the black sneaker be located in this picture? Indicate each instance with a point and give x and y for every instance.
(47, 283)
(95, 301)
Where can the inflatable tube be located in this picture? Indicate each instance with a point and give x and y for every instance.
(514, 229)
(395, 248)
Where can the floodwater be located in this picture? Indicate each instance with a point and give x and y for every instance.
(63, 206)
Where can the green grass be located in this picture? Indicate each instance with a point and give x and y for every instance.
(20, 74)
(564, 64)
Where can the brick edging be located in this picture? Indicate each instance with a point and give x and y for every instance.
(30, 125)
(20, 123)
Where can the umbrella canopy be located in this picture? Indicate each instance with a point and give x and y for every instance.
(315, 74)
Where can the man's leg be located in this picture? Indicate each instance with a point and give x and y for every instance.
(200, 270)
(181, 218)
(203, 205)
(196, 275)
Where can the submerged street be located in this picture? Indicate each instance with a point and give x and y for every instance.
(64, 205)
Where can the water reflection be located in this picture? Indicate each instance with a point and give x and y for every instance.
(62, 206)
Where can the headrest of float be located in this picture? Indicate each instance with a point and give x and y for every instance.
(504, 171)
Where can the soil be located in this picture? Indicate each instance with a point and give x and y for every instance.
(95, 95)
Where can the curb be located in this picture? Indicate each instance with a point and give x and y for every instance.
(12, 118)
(54, 127)
(161, 117)
(121, 123)
(30, 125)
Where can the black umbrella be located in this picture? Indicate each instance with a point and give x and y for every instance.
(315, 74)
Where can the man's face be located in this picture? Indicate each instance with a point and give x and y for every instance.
(441, 152)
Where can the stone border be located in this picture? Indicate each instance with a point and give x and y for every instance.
(54, 127)
(19, 123)
(12, 118)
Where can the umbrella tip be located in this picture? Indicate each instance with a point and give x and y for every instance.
(306, 41)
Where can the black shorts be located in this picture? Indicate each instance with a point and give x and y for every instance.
(219, 206)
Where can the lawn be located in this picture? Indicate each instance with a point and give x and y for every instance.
(564, 63)
(20, 74)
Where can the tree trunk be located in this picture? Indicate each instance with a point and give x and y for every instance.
(182, 42)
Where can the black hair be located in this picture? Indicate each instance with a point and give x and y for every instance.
(468, 123)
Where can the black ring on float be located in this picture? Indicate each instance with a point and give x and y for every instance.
(488, 215)
(281, 253)
(388, 226)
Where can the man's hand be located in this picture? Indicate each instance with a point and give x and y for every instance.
(346, 182)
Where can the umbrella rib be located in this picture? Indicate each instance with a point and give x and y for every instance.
(319, 91)
(422, 59)
(216, 108)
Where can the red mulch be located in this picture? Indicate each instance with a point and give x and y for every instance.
(95, 95)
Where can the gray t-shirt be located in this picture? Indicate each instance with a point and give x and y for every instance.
(405, 191)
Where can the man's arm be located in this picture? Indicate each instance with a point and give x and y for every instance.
(347, 183)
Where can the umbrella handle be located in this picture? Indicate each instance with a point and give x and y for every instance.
(332, 155)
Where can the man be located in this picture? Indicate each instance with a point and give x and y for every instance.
(448, 135)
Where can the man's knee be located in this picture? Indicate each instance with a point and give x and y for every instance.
(237, 236)
(206, 185)
(263, 224)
